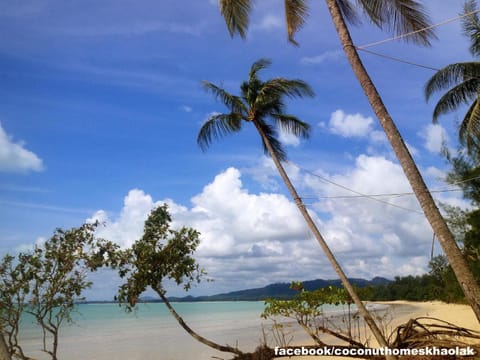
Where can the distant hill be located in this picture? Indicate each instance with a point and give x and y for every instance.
(277, 291)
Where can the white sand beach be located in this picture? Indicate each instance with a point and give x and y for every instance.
(402, 311)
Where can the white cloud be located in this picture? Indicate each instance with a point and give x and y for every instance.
(368, 228)
(435, 137)
(319, 59)
(289, 139)
(128, 227)
(350, 125)
(250, 239)
(269, 22)
(15, 158)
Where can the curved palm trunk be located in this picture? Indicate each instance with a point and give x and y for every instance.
(439, 226)
(336, 266)
(192, 333)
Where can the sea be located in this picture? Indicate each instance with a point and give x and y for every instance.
(107, 331)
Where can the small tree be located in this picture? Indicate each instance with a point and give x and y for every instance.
(14, 288)
(48, 282)
(307, 309)
(161, 254)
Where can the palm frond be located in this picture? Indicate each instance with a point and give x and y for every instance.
(257, 66)
(296, 12)
(349, 13)
(458, 95)
(452, 75)
(400, 17)
(292, 125)
(271, 136)
(471, 26)
(236, 14)
(217, 126)
(232, 102)
(292, 88)
(469, 133)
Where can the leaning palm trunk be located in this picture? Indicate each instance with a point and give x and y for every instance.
(336, 266)
(192, 333)
(448, 243)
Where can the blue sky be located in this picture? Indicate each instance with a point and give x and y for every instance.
(100, 107)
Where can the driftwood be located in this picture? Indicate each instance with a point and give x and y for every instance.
(425, 332)
(417, 333)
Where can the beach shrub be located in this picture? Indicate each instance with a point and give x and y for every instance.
(47, 283)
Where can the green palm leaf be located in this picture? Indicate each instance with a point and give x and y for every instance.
(286, 87)
(452, 75)
(463, 93)
(217, 126)
(271, 136)
(400, 17)
(469, 133)
(471, 26)
(292, 125)
(262, 103)
(236, 14)
(233, 102)
(296, 12)
(257, 66)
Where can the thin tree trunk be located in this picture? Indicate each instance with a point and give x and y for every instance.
(432, 213)
(4, 354)
(336, 266)
(192, 333)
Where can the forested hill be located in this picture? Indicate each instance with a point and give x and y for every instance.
(277, 291)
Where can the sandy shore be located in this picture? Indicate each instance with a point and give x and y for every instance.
(402, 311)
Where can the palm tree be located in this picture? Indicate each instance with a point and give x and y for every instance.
(462, 80)
(262, 104)
(402, 16)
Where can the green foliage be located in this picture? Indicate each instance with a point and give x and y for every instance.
(14, 288)
(161, 253)
(400, 17)
(461, 82)
(48, 282)
(305, 304)
(306, 308)
(439, 284)
(261, 103)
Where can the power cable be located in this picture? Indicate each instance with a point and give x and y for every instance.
(358, 193)
(398, 59)
(401, 36)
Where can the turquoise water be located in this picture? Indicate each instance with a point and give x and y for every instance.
(106, 331)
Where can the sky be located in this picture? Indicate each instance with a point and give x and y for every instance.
(101, 103)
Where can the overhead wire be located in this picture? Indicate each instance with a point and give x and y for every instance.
(357, 192)
(401, 36)
(374, 197)
(399, 60)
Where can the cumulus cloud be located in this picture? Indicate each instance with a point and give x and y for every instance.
(128, 226)
(15, 158)
(435, 137)
(350, 125)
(252, 239)
(288, 139)
(374, 226)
